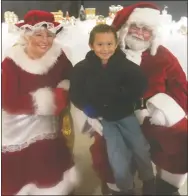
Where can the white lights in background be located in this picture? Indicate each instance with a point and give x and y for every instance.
(166, 24)
(182, 25)
(170, 28)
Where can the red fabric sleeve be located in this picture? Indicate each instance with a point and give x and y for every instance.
(176, 82)
(171, 139)
(16, 103)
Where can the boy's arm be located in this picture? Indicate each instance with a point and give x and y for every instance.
(135, 82)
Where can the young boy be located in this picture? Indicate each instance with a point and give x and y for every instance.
(106, 85)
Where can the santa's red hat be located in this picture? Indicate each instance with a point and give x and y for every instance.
(140, 13)
(37, 18)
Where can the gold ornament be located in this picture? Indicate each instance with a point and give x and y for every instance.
(101, 20)
(67, 128)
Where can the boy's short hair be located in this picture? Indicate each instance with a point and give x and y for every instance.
(101, 28)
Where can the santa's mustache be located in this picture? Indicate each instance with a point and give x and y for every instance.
(136, 42)
(137, 37)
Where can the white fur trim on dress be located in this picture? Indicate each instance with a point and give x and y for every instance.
(38, 66)
(176, 180)
(44, 101)
(167, 107)
(65, 84)
(70, 181)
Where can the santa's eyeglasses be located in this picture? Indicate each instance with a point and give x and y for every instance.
(140, 28)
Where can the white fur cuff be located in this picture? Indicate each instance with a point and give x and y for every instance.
(73, 175)
(65, 84)
(68, 183)
(44, 101)
(176, 180)
(172, 112)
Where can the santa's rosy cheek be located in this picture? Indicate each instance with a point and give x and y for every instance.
(147, 36)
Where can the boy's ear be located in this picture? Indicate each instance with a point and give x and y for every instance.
(91, 47)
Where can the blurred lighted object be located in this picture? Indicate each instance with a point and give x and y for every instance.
(167, 18)
(166, 24)
(101, 20)
(66, 20)
(182, 26)
(90, 13)
(114, 9)
(58, 16)
(10, 18)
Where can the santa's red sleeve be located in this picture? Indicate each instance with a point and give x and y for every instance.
(43, 101)
(172, 139)
(176, 82)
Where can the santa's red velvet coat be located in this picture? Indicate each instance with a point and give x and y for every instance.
(35, 159)
(165, 75)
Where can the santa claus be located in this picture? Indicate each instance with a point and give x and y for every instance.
(162, 110)
(35, 158)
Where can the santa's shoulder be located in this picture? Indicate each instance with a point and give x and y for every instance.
(164, 53)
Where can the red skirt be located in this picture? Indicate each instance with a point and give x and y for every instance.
(42, 163)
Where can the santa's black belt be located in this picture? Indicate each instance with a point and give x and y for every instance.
(140, 104)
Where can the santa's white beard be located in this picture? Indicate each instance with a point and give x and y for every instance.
(136, 44)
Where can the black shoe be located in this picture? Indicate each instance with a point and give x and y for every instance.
(149, 187)
(164, 188)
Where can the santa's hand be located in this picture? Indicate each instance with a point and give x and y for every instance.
(96, 125)
(141, 115)
(158, 118)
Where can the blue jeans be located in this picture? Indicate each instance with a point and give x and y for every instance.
(125, 142)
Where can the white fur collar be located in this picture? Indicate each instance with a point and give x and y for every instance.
(39, 66)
